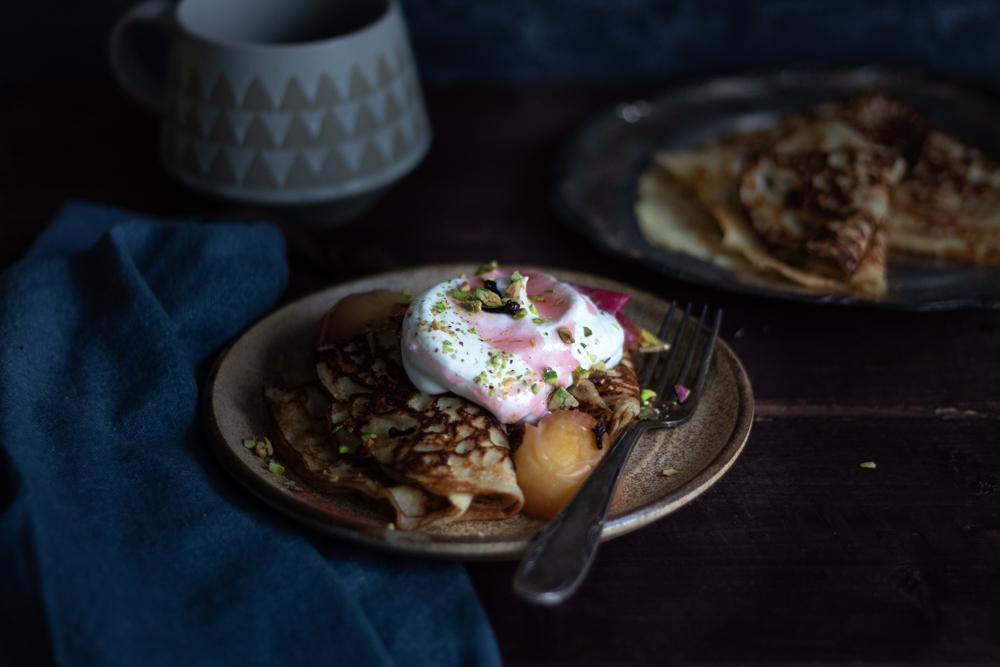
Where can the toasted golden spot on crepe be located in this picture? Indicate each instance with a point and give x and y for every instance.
(304, 443)
(445, 444)
(947, 203)
(820, 208)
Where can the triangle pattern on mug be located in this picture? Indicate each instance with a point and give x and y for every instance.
(294, 99)
(222, 131)
(359, 86)
(383, 73)
(327, 94)
(331, 130)
(300, 175)
(400, 146)
(259, 174)
(257, 134)
(298, 134)
(256, 97)
(334, 169)
(365, 122)
(372, 160)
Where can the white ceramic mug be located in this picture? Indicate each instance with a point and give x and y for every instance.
(281, 101)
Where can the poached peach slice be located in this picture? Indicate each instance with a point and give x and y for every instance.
(554, 459)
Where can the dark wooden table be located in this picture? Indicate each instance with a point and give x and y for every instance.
(798, 554)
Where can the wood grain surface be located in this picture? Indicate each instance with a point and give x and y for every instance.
(798, 554)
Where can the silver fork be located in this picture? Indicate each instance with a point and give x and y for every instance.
(559, 558)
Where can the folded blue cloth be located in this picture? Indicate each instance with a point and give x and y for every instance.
(125, 544)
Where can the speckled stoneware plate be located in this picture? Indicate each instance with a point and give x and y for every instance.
(599, 173)
(702, 450)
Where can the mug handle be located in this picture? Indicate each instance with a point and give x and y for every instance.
(125, 65)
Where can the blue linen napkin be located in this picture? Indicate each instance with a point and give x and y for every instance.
(123, 541)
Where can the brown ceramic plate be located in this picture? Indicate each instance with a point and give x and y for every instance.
(702, 450)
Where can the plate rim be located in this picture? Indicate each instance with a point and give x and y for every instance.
(418, 544)
(571, 215)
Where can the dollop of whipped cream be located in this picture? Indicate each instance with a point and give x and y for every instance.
(509, 360)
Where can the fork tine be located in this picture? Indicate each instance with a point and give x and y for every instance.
(647, 371)
(689, 357)
(665, 375)
(706, 359)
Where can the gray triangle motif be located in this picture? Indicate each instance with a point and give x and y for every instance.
(383, 72)
(331, 131)
(298, 135)
(365, 123)
(257, 97)
(195, 88)
(399, 145)
(392, 110)
(222, 93)
(334, 169)
(326, 92)
(295, 98)
(222, 131)
(359, 86)
(372, 160)
(300, 175)
(401, 57)
(257, 135)
(259, 175)
(221, 171)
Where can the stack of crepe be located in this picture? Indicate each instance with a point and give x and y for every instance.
(360, 426)
(816, 201)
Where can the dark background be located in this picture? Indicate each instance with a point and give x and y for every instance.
(797, 555)
(592, 40)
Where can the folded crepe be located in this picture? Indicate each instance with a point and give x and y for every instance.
(364, 427)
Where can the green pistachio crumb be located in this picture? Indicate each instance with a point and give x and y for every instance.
(587, 331)
(538, 320)
(646, 395)
(535, 388)
(276, 467)
(550, 376)
(489, 266)
(343, 449)
(440, 307)
(520, 315)
(488, 298)
(565, 335)
(249, 443)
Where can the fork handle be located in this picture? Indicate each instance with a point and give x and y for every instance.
(559, 558)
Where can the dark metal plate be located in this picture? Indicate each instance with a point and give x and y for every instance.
(599, 172)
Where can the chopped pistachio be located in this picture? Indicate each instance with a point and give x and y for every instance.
(550, 376)
(535, 388)
(587, 331)
(669, 472)
(368, 437)
(447, 346)
(459, 294)
(440, 306)
(390, 526)
(464, 287)
(249, 443)
(539, 298)
(488, 298)
(561, 398)
(538, 320)
(870, 465)
(489, 266)
(475, 305)
(520, 315)
(533, 309)
(343, 449)
(264, 448)
(565, 335)
(646, 395)
(276, 467)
